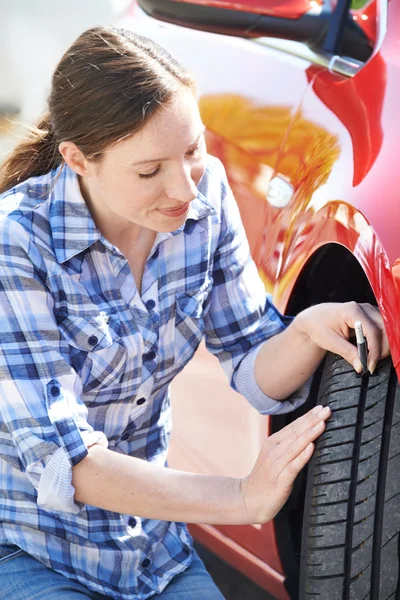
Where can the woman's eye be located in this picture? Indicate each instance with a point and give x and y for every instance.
(148, 175)
(192, 152)
(197, 149)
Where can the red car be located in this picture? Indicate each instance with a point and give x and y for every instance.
(301, 102)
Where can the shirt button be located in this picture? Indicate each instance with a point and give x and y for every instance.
(141, 401)
(150, 304)
(149, 356)
(93, 340)
(189, 226)
(55, 391)
(132, 522)
(146, 563)
(125, 436)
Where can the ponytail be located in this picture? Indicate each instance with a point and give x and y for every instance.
(37, 154)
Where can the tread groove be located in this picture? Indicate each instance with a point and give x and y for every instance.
(353, 489)
(319, 577)
(338, 522)
(362, 544)
(381, 485)
(333, 481)
(389, 540)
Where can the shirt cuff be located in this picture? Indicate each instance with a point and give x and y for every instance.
(246, 384)
(55, 489)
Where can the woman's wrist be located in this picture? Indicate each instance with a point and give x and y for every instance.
(302, 328)
(301, 325)
(287, 360)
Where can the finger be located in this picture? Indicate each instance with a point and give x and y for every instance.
(290, 451)
(299, 426)
(385, 348)
(336, 343)
(290, 472)
(363, 313)
(291, 446)
(373, 335)
(376, 317)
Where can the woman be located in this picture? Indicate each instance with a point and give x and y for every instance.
(121, 247)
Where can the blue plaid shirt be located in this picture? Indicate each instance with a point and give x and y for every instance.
(85, 358)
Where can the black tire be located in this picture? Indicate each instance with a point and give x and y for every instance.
(350, 539)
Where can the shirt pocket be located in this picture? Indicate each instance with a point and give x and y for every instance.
(97, 351)
(191, 307)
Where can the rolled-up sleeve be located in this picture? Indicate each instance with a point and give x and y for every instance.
(246, 384)
(241, 316)
(40, 393)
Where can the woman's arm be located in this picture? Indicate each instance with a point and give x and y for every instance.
(247, 333)
(288, 359)
(129, 485)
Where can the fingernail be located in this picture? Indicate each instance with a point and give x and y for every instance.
(371, 367)
(317, 408)
(325, 411)
(357, 366)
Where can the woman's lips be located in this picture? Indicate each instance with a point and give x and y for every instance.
(175, 212)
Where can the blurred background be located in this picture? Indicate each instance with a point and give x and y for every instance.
(34, 34)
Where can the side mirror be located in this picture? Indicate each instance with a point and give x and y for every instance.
(285, 9)
(307, 21)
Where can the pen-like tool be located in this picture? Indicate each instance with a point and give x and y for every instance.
(361, 346)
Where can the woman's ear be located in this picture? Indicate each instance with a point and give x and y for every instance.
(74, 158)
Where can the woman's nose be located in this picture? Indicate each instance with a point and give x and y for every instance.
(181, 186)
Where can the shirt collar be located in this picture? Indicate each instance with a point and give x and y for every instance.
(72, 225)
(200, 207)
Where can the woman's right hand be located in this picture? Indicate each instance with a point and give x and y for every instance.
(282, 457)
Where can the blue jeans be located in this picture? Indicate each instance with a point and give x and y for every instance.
(22, 577)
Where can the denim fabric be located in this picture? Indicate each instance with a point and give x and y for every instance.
(24, 578)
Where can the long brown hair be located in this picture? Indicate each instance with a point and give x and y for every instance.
(105, 87)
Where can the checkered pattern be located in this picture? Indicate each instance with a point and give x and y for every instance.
(85, 358)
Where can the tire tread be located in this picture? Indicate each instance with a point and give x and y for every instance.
(352, 509)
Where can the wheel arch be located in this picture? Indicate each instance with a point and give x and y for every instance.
(343, 280)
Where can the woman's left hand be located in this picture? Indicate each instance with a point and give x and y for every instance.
(329, 325)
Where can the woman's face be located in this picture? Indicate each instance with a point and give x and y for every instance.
(150, 178)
